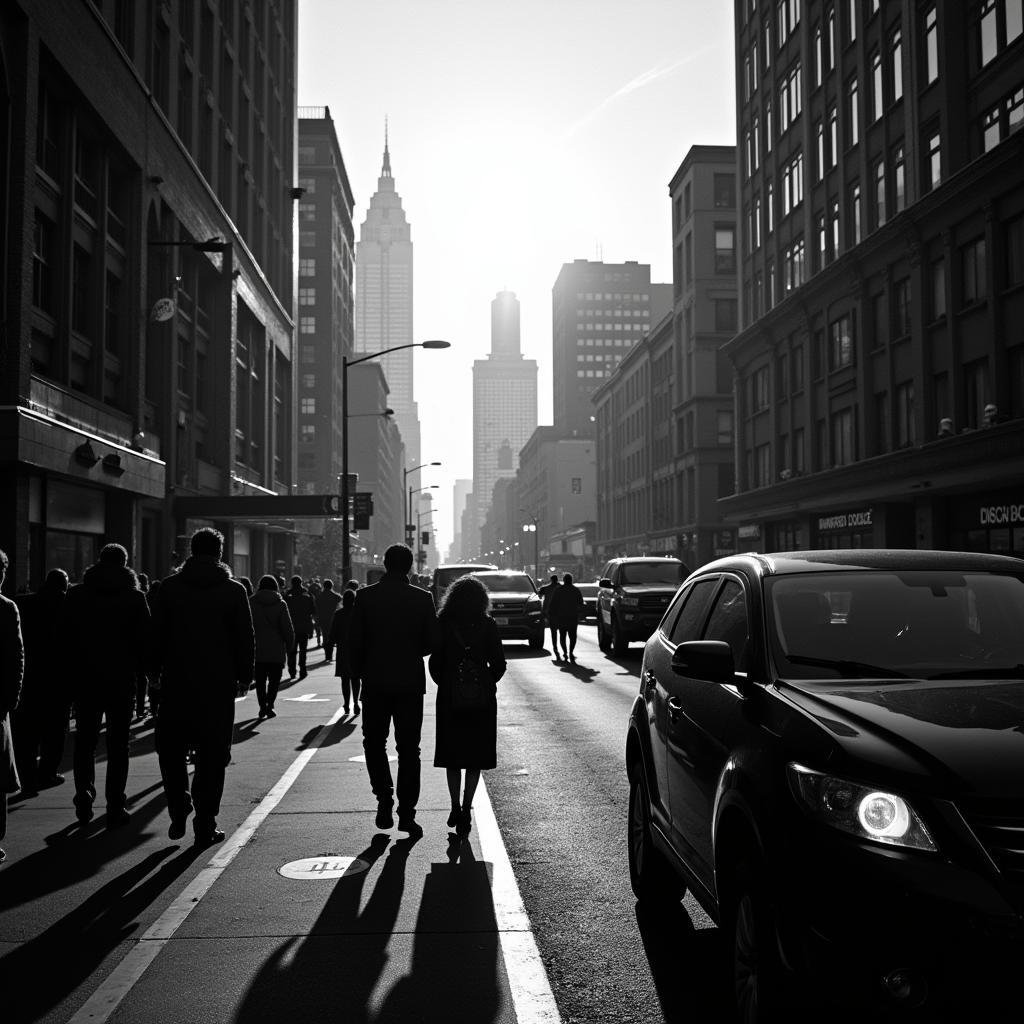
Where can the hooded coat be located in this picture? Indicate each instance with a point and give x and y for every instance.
(12, 666)
(107, 629)
(272, 625)
(202, 633)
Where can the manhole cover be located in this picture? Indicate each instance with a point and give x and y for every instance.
(330, 866)
(361, 758)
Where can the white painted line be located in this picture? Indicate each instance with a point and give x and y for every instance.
(309, 698)
(105, 1000)
(532, 997)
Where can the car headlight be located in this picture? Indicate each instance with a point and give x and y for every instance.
(863, 811)
(629, 602)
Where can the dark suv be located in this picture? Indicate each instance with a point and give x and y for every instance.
(827, 749)
(632, 597)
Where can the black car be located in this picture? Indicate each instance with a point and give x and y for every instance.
(515, 606)
(827, 750)
(632, 596)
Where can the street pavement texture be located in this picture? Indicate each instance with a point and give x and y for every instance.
(128, 926)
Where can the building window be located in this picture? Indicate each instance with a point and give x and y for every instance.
(877, 87)
(855, 205)
(687, 204)
(769, 205)
(822, 232)
(1014, 248)
(896, 55)
(831, 38)
(309, 381)
(901, 308)
(840, 343)
(899, 181)
(818, 57)
(793, 184)
(725, 315)
(972, 257)
(768, 130)
(725, 249)
(307, 296)
(577, 485)
(42, 263)
(688, 259)
(833, 136)
(307, 325)
(81, 291)
(755, 237)
(799, 461)
(852, 112)
(906, 430)
(834, 218)
(307, 433)
(724, 427)
(879, 176)
(307, 267)
(975, 392)
(763, 465)
(851, 22)
(843, 449)
(761, 394)
(307, 406)
(988, 32)
(819, 132)
(931, 46)
(933, 160)
(793, 266)
(882, 424)
(937, 307)
(790, 100)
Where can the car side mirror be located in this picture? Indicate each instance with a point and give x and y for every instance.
(605, 583)
(704, 659)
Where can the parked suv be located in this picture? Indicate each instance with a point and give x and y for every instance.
(633, 594)
(827, 749)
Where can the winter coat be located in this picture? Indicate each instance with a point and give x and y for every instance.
(338, 635)
(12, 668)
(273, 626)
(42, 619)
(326, 605)
(202, 634)
(302, 608)
(566, 606)
(547, 592)
(106, 631)
(393, 629)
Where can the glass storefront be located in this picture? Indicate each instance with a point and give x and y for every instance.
(988, 523)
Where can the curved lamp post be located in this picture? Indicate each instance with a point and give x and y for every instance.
(405, 487)
(531, 527)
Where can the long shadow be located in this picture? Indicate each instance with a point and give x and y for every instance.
(56, 962)
(338, 732)
(523, 652)
(629, 663)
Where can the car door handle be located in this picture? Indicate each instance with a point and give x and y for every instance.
(675, 709)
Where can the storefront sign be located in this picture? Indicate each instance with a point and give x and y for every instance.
(845, 521)
(1000, 515)
(752, 531)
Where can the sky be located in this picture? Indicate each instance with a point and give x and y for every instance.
(524, 134)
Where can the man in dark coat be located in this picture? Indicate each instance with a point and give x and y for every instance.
(564, 614)
(204, 647)
(546, 593)
(393, 628)
(327, 602)
(302, 609)
(106, 630)
(40, 724)
(12, 666)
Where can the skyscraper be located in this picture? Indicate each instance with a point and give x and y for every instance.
(384, 300)
(504, 410)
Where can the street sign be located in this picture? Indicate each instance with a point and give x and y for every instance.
(332, 504)
(362, 509)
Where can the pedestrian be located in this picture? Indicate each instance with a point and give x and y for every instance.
(338, 635)
(12, 668)
(315, 590)
(106, 631)
(274, 638)
(247, 583)
(302, 609)
(393, 630)
(142, 680)
(40, 724)
(326, 605)
(546, 593)
(153, 676)
(352, 585)
(466, 739)
(565, 611)
(204, 645)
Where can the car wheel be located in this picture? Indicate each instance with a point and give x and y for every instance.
(619, 643)
(602, 637)
(649, 875)
(536, 641)
(758, 976)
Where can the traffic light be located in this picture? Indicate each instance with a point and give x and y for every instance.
(425, 538)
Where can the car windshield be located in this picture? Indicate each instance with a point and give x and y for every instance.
(652, 572)
(919, 624)
(507, 583)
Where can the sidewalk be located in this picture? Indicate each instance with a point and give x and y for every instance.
(427, 930)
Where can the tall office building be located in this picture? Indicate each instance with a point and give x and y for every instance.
(384, 302)
(880, 360)
(460, 493)
(504, 410)
(599, 311)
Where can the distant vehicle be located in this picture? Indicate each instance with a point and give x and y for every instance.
(633, 596)
(589, 592)
(446, 575)
(825, 749)
(515, 606)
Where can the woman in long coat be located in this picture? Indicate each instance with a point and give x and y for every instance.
(337, 636)
(272, 625)
(466, 740)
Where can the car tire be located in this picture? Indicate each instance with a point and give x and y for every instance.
(618, 643)
(758, 977)
(602, 638)
(536, 641)
(651, 878)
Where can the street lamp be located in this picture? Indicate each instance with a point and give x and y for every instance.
(531, 527)
(346, 568)
(405, 487)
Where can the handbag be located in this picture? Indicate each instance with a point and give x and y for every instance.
(471, 683)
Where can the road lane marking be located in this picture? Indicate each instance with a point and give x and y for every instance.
(532, 997)
(106, 999)
(309, 698)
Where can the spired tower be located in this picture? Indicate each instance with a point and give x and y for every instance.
(384, 301)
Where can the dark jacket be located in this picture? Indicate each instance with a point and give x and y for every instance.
(302, 609)
(566, 606)
(106, 629)
(327, 602)
(272, 625)
(338, 635)
(202, 633)
(12, 668)
(393, 629)
(42, 623)
(546, 593)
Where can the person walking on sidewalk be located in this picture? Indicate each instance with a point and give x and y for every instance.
(566, 608)
(204, 645)
(547, 592)
(106, 632)
(40, 724)
(466, 738)
(12, 668)
(327, 602)
(274, 638)
(339, 637)
(315, 590)
(393, 630)
(302, 609)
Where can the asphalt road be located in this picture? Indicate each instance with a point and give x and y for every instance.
(560, 796)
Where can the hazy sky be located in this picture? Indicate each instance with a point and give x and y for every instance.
(524, 134)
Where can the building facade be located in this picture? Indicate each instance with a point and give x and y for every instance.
(599, 311)
(460, 495)
(326, 297)
(880, 363)
(147, 267)
(384, 302)
(504, 407)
